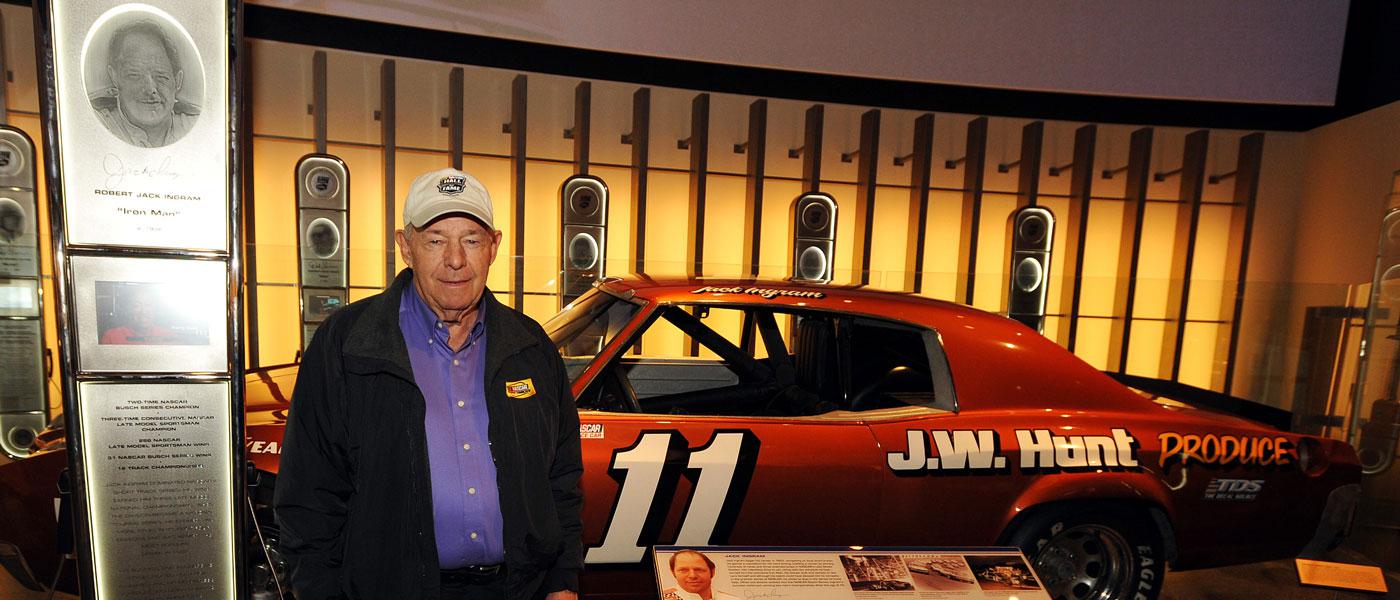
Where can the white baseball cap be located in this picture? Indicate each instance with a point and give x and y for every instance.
(446, 191)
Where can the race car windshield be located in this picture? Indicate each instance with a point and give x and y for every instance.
(586, 326)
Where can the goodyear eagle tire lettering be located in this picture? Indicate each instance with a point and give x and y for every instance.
(1094, 553)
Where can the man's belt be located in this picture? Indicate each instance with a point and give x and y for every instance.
(473, 573)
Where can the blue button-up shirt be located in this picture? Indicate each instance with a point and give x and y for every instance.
(466, 503)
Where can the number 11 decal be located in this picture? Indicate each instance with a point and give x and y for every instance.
(647, 473)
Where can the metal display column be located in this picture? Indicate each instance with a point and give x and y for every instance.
(139, 109)
(24, 398)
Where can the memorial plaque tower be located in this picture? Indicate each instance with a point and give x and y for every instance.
(137, 102)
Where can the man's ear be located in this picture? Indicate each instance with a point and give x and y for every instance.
(405, 249)
(495, 245)
(112, 77)
(179, 80)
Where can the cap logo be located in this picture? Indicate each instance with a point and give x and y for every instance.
(452, 185)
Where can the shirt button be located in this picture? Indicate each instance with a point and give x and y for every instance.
(456, 362)
(430, 342)
(473, 535)
(466, 446)
(439, 324)
(461, 404)
(471, 490)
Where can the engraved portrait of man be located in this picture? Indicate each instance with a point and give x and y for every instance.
(142, 103)
(11, 220)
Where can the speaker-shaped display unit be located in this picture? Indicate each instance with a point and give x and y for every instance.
(1031, 236)
(24, 404)
(583, 205)
(1379, 370)
(323, 216)
(813, 238)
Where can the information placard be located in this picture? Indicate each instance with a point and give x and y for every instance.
(143, 111)
(21, 353)
(158, 460)
(843, 573)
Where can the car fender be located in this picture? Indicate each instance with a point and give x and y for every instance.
(1141, 490)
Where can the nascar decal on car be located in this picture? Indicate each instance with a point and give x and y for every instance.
(1234, 489)
(590, 431)
(765, 293)
(1225, 450)
(647, 474)
(966, 450)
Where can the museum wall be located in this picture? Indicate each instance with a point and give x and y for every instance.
(283, 130)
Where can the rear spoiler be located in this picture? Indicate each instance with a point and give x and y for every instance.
(1208, 400)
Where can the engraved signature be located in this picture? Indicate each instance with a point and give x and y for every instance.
(117, 171)
(765, 595)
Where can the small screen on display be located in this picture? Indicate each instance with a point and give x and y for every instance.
(150, 314)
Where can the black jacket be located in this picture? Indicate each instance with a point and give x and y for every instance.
(353, 499)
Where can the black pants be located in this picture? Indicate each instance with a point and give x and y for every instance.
(458, 586)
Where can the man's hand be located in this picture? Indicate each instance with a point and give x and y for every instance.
(562, 595)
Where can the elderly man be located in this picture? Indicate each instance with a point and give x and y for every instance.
(432, 447)
(694, 572)
(142, 106)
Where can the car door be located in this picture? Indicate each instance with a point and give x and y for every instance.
(712, 453)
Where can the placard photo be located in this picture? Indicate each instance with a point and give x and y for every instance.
(143, 123)
(317, 304)
(150, 314)
(145, 314)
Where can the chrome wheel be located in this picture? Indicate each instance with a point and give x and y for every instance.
(1086, 562)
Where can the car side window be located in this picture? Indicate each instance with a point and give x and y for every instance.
(723, 361)
(894, 365)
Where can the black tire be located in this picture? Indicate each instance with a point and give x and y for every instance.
(1094, 553)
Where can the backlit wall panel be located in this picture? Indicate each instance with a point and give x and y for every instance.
(282, 85)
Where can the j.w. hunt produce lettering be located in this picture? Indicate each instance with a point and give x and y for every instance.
(1225, 450)
(974, 450)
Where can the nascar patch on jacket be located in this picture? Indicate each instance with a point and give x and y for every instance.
(520, 389)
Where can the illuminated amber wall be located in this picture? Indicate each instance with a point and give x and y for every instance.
(281, 86)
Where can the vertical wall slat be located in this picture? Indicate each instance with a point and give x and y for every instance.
(699, 173)
(1129, 247)
(388, 133)
(920, 176)
(867, 165)
(974, 166)
(1076, 226)
(583, 109)
(1247, 170)
(519, 88)
(812, 148)
(640, 139)
(319, 100)
(1028, 177)
(1188, 220)
(756, 147)
(455, 115)
(250, 237)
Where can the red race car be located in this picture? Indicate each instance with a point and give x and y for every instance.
(751, 413)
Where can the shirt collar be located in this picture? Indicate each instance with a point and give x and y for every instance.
(418, 310)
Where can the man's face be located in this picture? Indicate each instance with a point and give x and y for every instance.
(450, 259)
(692, 573)
(146, 82)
